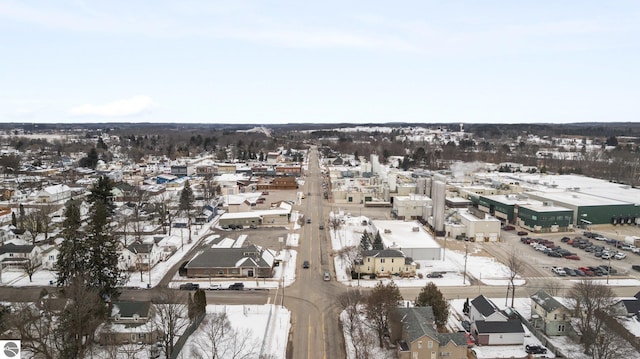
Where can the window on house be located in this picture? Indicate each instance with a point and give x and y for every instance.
(382, 269)
(133, 337)
(445, 354)
(430, 344)
(381, 260)
(391, 260)
(414, 355)
(368, 260)
(220, 272)
(561, 328)
(420, 344)
(555, 317)
(564, 317)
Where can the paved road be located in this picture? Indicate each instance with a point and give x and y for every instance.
(315, 328)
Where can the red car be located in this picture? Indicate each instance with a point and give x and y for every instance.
(573, 257)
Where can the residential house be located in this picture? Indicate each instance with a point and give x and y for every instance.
(168, 245)
(415, 332)
(549, 314)
(147, 254)
(491, 326)
(17, 256)
(130, 322)
(54, 194)
(627, 307)
(385, 262)
(50, 257)
(249, 261)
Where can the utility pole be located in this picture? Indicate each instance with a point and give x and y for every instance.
(464, 277)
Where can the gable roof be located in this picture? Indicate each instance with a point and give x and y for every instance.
(484, 305)
(249, 256)
(13, 248)
(383, 253)
(456, 338)
(631, 305)
(127, 309)
(509, 326)
(547, 302)
(418, 322)
(138, 247)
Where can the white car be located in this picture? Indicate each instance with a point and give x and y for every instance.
(620, 255)
(607, 255)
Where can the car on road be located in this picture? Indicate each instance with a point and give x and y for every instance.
(321, 227)
(434, 275)
(190, 286)
(308, 220)
(522, 233)
(236, 286)
(305, 264)
(535, 349)
(508, 228)
(326, 276)
(215, 286)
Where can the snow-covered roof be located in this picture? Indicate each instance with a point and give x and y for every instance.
(402, 234)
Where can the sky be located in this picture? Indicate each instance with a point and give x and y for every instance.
(268, 62)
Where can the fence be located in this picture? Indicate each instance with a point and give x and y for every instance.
(540, 335)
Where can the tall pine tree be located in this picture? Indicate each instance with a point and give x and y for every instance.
(377, 242)
(73, 252)
(186, 203)
(431, 296)
(365, 241)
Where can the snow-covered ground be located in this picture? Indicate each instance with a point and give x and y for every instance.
(257, 329)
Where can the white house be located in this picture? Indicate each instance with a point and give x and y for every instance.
(147, 254)
(50, 257)
(54, 194)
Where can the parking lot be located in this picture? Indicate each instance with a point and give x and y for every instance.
(581, 253)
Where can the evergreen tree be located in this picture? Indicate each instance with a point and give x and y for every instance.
(431, 296)
(73, 252)
(21, 217)
(14, 221)
(102, 266)
(101, 192)
(377, 242)
(186, 203)
(365, 241)
(466, 307)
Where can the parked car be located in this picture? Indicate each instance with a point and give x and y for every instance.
(508, 228)
(535, 349)
(434, 275)
(579, 273)
(607, 255)
(236, 286)
(635, 267)
(620, 255)
(190, 286)
(559, 271)
(574, 257)
(215, 286)
(466, 325)
(569, 271)
(565, 239)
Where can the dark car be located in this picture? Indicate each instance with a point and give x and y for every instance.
(570, 272)
(305, 264)
(308, 220)
(434, 275)
(508, 228)
(237, 286)
(535, 349)
(522, 233)
(565, 239)
(190, 286)
(321, 226)
(466, 325)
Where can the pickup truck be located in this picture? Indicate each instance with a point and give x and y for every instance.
(559, 271)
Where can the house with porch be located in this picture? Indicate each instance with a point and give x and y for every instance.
(384, 263)
(130, 322)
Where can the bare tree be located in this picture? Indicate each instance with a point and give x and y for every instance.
(171, 317)
(37, 328)
(162, 207)
(349, 255)
(589, 299)
(353, 324)
(552, 287)
(139, 197)
(222, 341)
(30, 268)
(610, 345)
(515, 267)
(32, 222)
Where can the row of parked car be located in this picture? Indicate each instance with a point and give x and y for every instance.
(613, 242)
(598, 250)
(584, 271)
(214, 286)
(549, 248)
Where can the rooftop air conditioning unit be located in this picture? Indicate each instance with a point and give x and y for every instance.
(416, 229)
(387, 231)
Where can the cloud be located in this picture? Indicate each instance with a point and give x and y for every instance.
(119, 108)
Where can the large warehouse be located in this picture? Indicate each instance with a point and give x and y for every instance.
(410, 238)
